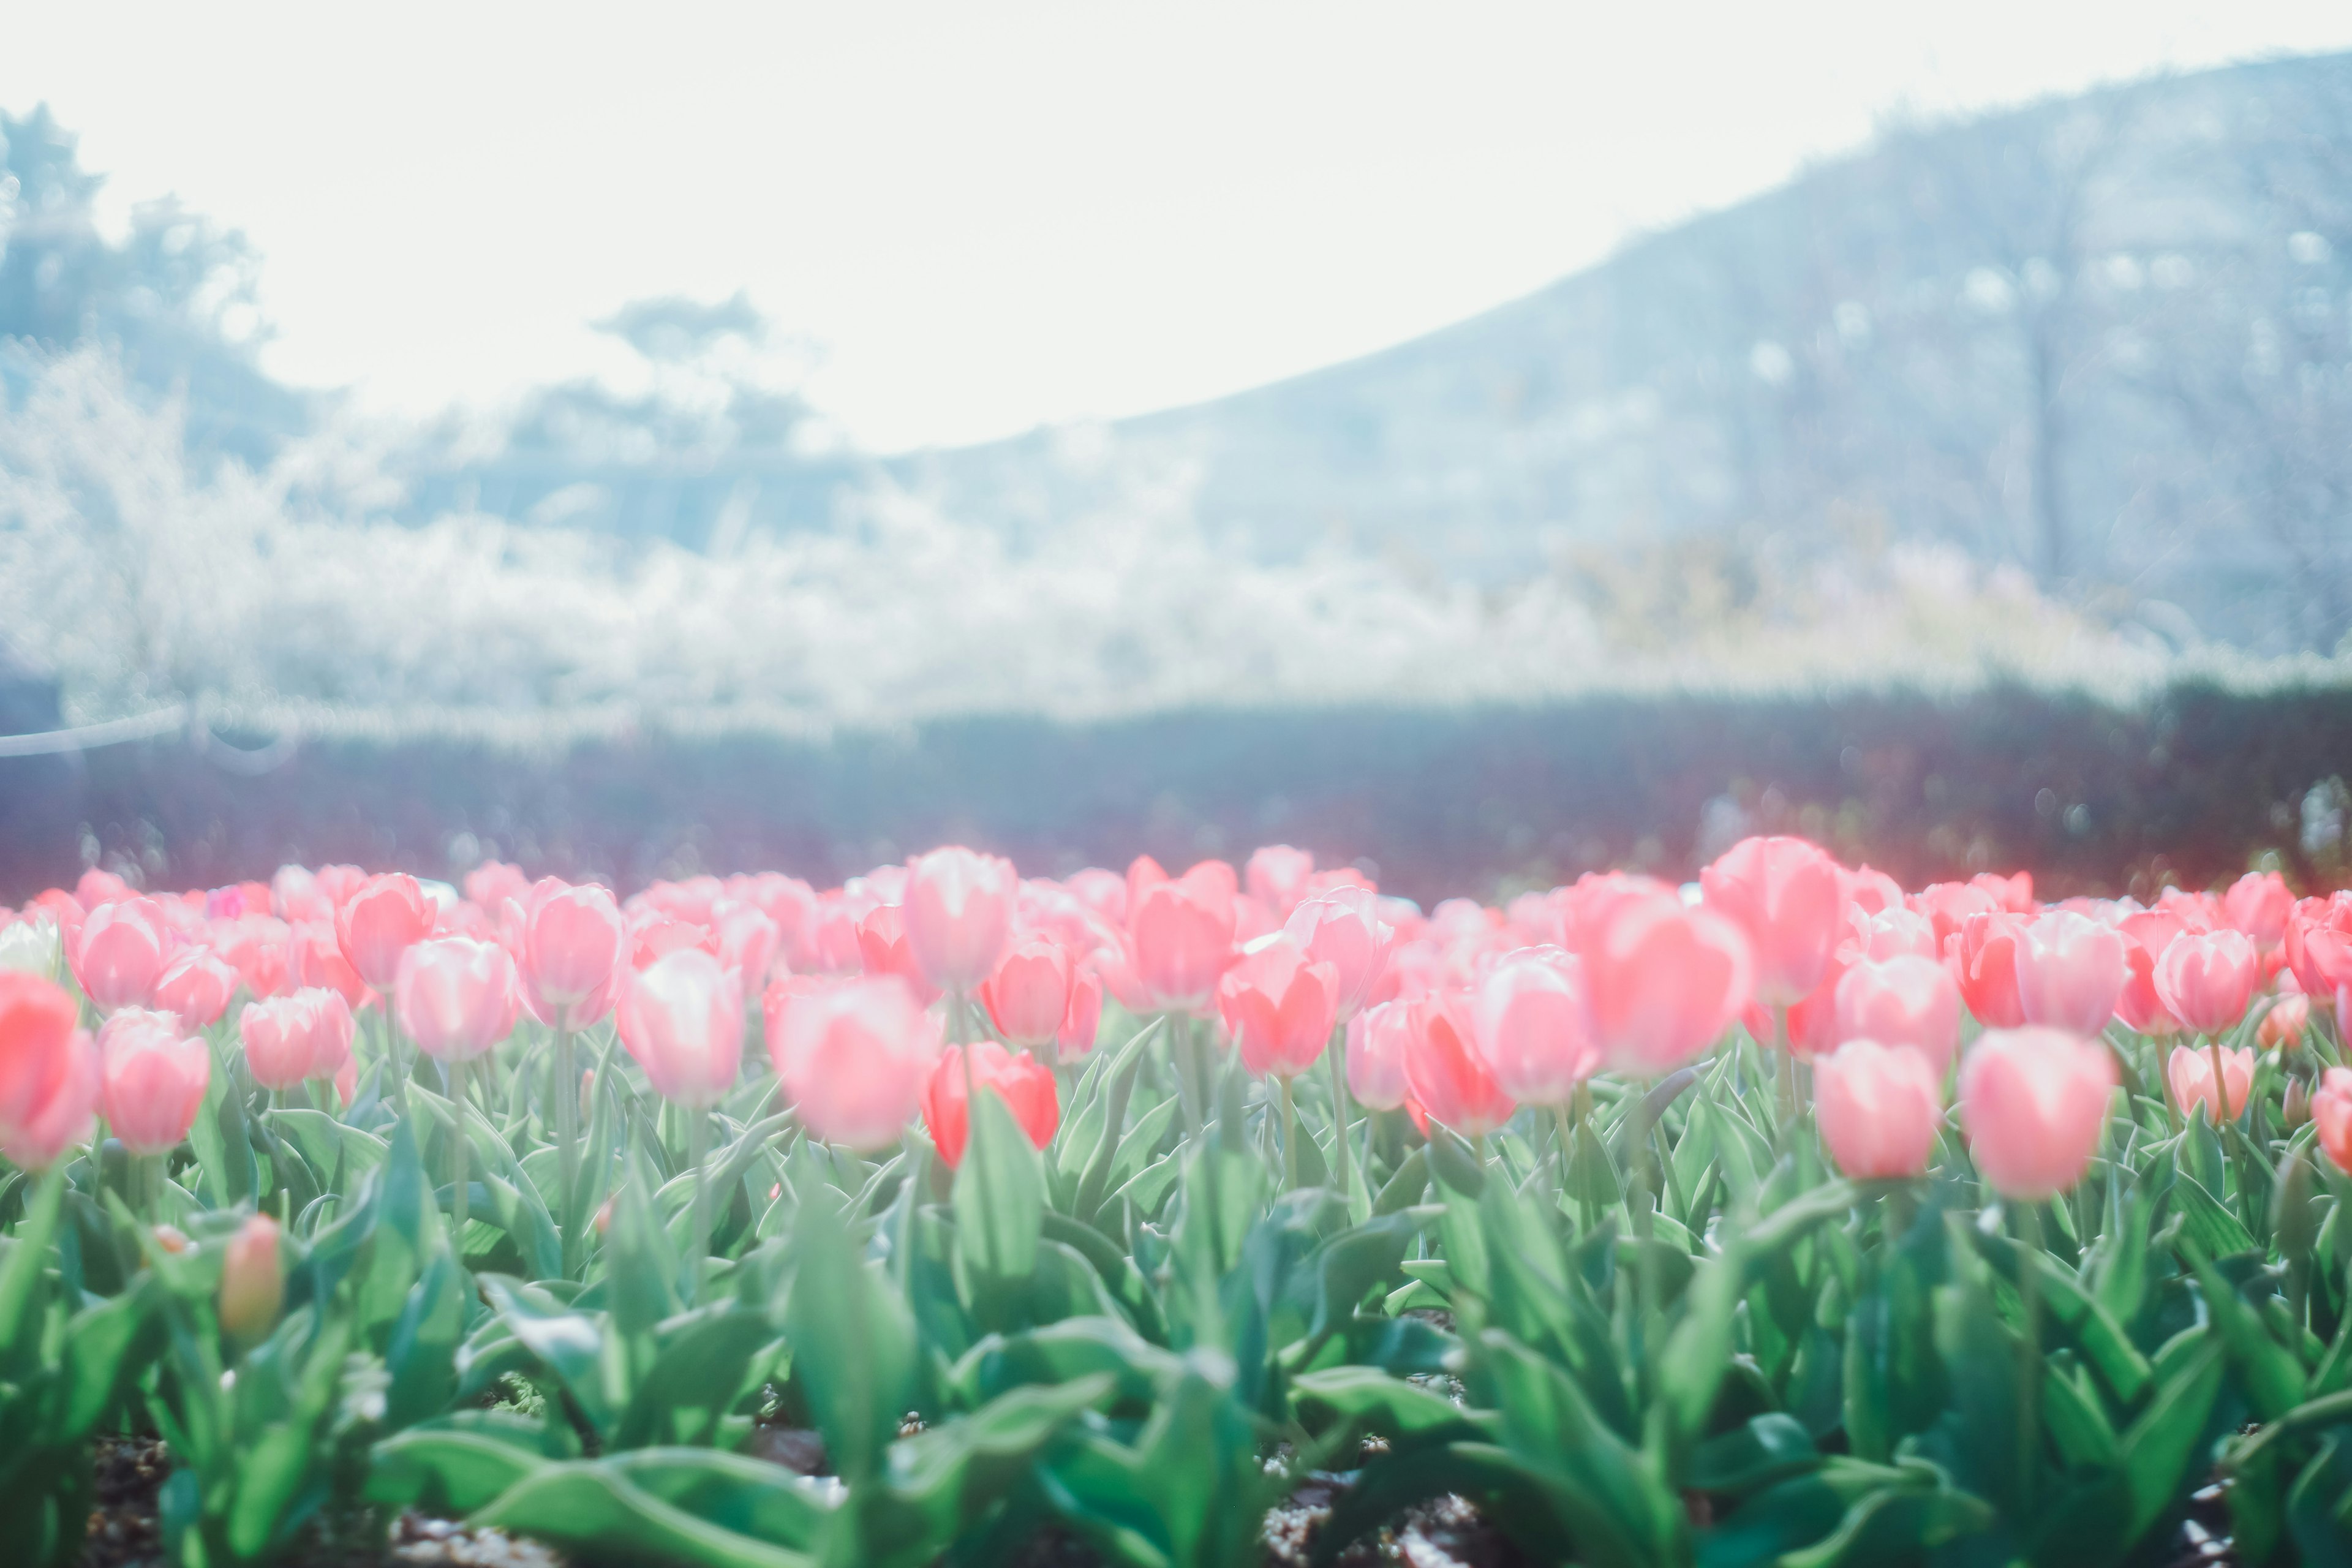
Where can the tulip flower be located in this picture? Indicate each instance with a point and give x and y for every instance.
(1878, 1107)
(456, 997)
(2034, 1103)
(1276, 876)
(253, 1284)
(1028, 997)
(1180, 934)
(573, 956)
(2259, 904)
(51, 1076)
(29, 945)
(2319, 943)
(1280, 1007)
(1982, 954)
(1906, 1000)
(279, 1034)
(2137, 1005)
(1789, 898)
(1948, 906)
(1082, 1017)
(1343, 929)
(333, 1027)
(1663, 982)
(493, 882)
(853, 1056)
(1377, 1038)
(2285, 1022)
(883, 949)
(1025, 1085)
(2206, 981)
(1444, 1074)
(387, 916)
(2070, 971)
(315, 959)
(2189, 1072)
(1532, 1027)
(682, 1019)
(2331, 1112)
(154, 1080)
(196, 985)
(959, 907)
(257, 947)
(120, 953)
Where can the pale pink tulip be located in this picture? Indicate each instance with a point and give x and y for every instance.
(1276, 876)
(120, 953)
(1377, 1039)
(2331, 1115)
(883, 948)
(1789, 898)
(682, 1019)
(2258, 904)
(316, 958)
(1279, 1007)
(1083, 1018)
(574, 954)
(1028, 997)
(2285, 1022)
(280, 1036)
(1343, 929)
(385, 918)
(2207, 980)
(958, 915)
(196, 985)
(456, 997)
(2318, 944)
(1446, 1077)
(1906, 1000)
(855, 1055)
(1181, 936)
(2034, 1103)
(1878, 1107)
(2070, 971)
(1532, 1025)
(154, 1080)
(1664, 981)
(2189, 1072)
(331, 1032)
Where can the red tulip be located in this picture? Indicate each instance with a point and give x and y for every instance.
(2207, 980)
(1789, 898)
(1444, 1074)
(2070, 970)
(2331, 1114)
(2035, 1104)
(1279, 1007)
(196, 985)
(1879, 1107)
(154, 1080)
(1532, 1027)
(383, 919)
(1343, 929)
(456, 997)
(854, 1054)
(574, 954)
(1181, 937)
(1025, 1085)
(253, 1284)
(1903, 1001)
(120, 953)
(1028, 997)
(1377, 1040)
(1277, 875)
(2190, 1072)
(1664, 982)
(958, 915)
(49, 1072)
(682, 1019)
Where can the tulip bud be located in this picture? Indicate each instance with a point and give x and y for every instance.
(2206, 979)
(2284, 1024)
(30, 946)
(1026, 1087)
(1879, 1107)
(172, 1239)
(2190, 1072)
(2295, 1106)
(2034, 1102)
(958, 915)
(252, 1286)
(1789, 898)
(2070, 972)
(2331, 1114)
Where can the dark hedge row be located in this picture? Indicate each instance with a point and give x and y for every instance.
(2091, 797)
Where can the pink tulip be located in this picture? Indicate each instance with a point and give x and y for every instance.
(331, 1033)
(682, 1019)
(258, 946)
(1789, 898)
(49, 1072)
(1532, 1027)
(2013, 893)
(253, 1284)
(315, 956)
(2070, 971)
(493, 882)
(958, 915)
(1446, 1076)
(1879, 1107)
(2035, 1104)
(154, 1080)
(1082, 1017)
(1279, 1007)
(1181, 937)
(1343, 929)
(883, 949)
(120, 953)
(293, 1038)
(1664, 982)
(855, 1055)
(1902, 1000)
(1377, 1039)
(574, 954)
(1277, 875)
(387, 916)
(746, 939)
(196, 985)
(1029, 996)
(2188, 1071)
(2319, 943)
(2207, 980)
(2331, 1115)
(456, 997)
(1025, 1085)
(2285, 1022)
(2259, 904)
(1949, 905)
(1982, 954)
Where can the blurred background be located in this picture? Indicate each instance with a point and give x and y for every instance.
(1479, 445)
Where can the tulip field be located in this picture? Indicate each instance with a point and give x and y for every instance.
(1789, 1216)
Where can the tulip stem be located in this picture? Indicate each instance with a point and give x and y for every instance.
(2029, 1349)
(1788, 1076)
(1180, 1061)
(698, 1231)
(458, 1194)
(562, 1122)
(2221, 1112)
(1646, 1267)
(1289, 1139)
(1340, 1112)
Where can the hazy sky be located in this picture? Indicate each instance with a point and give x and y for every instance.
(994, 215)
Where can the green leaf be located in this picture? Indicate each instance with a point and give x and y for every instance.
(999, 1196)
(1767, 1449)
(2273, 1378)
(1361, 1399)
(593, 1507)
(2158, 1446)
(446, 1472)
(853, 1344)
(422, 1356)
(571, 1344)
